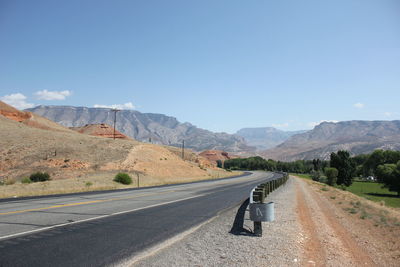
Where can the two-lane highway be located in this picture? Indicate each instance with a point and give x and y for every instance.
(98, 229)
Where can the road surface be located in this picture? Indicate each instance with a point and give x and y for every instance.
(103, 228)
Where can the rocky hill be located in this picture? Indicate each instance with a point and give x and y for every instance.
(265, 137)
(358, 137)
(145, 127)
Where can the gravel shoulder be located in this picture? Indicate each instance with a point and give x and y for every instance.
(213, 245)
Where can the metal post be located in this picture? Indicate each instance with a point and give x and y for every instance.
(183, 149)
(115, 119)
(258, 225)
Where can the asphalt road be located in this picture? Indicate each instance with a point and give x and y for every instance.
(104, 228)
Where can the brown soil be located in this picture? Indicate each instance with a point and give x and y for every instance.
(337, 237)
(314, 252)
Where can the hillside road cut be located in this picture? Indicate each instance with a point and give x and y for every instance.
(104, 228)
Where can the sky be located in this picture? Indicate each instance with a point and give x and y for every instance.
(220, 65)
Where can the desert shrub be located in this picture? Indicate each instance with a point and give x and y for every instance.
(39, 177)
(26, 180)
(9, 181)
(88, 184)
(123, 178)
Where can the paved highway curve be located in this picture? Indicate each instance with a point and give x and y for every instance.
(103, 228)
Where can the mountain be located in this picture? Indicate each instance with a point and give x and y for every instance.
(358, 137)
(145, 127)
(265, 137)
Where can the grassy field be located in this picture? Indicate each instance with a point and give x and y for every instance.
(375, 192)
(368, 190)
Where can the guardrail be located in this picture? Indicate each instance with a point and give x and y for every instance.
(259, 210)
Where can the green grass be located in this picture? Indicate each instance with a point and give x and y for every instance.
(374, 192)
(301, 175)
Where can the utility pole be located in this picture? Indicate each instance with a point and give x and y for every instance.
(183, 149)
(115, 119)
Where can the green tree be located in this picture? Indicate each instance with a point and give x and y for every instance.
(345, 166)
(219, 163)
(374, 160)
(389, 175)
(331, 175)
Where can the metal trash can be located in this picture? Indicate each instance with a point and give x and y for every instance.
(262, 212)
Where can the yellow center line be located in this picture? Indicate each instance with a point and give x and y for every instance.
(84, 203)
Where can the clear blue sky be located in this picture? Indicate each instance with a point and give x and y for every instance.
(221, 65)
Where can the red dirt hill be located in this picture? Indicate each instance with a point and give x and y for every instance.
(214, 155)
(102, 130)
(29, 118)
(13, 113)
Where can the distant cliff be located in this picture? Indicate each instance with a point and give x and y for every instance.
(265, 137)
(358, 137)
(158, 128)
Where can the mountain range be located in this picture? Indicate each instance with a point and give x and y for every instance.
(146, 127)
(358, 137)
(265, 137)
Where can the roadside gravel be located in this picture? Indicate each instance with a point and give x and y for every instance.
(213, 245)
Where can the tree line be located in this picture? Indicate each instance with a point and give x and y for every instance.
(341, 169)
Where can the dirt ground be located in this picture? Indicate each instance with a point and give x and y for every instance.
(342, 229)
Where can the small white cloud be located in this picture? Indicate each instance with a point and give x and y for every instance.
(313, 124)
(128, 105)
(282, 125)
(358, 105)
(52, 95)
(388, 114)
(17, 100)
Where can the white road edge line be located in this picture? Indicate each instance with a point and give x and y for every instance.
(96, 218)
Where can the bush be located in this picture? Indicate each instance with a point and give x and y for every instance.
(315, 175)
(39, 177)
(123, 178)
(9, 181)
(331, 174)
(26, 180)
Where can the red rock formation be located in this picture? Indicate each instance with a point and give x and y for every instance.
(214, 155)
(102, 130)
